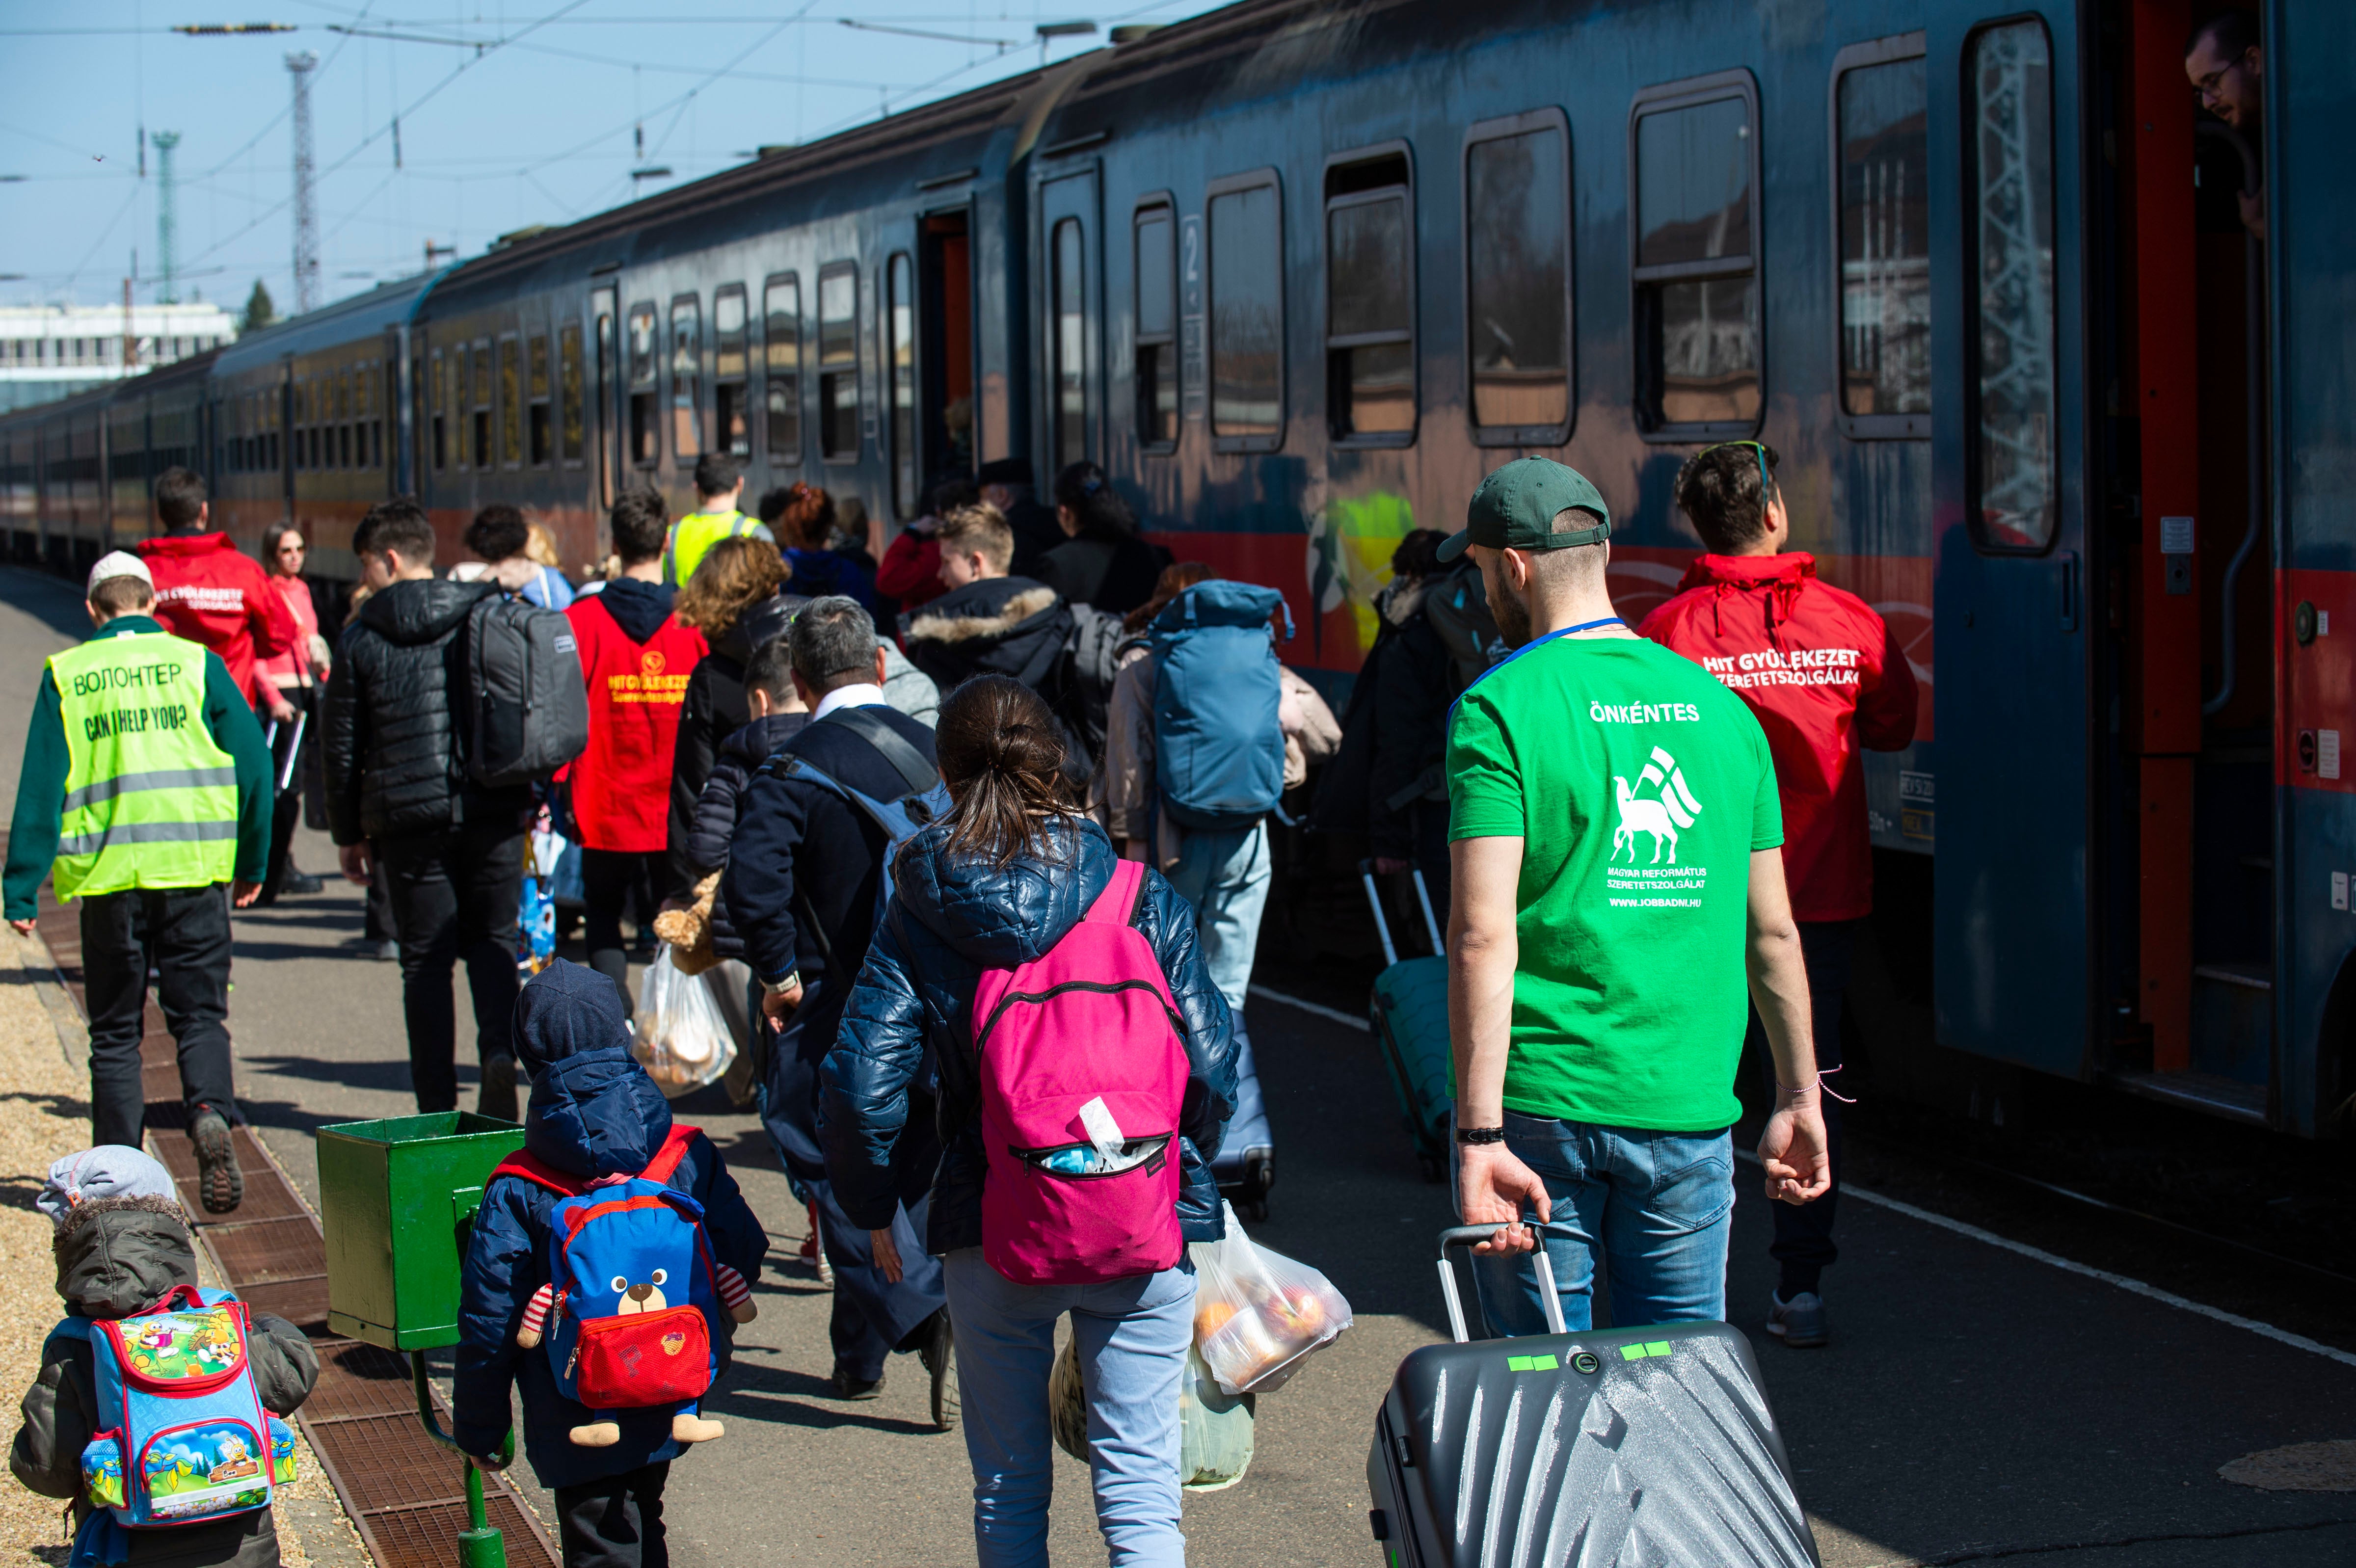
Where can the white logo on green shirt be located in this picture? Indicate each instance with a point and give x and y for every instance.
(1671, 806)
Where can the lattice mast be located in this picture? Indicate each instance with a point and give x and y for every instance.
(300, 65)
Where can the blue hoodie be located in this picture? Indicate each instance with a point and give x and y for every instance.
(594, 1111)
(949, 920)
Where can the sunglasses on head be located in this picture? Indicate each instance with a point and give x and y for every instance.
(1768, 456)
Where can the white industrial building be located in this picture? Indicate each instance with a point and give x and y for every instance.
(53, 351)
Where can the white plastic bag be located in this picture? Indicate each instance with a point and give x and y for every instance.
(684, 1039)
(1259, 1314)
(1215, 1429)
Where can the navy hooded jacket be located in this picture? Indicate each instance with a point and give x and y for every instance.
(594, 1113)
(949, 920)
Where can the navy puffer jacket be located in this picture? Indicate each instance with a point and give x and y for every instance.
(912, 1012)
(594, 1113)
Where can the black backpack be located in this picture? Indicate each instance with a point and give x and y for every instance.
(528, 705)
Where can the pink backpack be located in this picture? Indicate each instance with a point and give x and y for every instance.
(1083, 1076)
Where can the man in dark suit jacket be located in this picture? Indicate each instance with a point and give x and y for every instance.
(801, 887)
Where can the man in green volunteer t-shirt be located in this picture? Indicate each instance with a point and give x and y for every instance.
(1614, 831)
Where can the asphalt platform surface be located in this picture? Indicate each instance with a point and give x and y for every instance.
(1975, 1406)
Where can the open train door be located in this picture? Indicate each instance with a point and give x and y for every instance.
(2014, 951)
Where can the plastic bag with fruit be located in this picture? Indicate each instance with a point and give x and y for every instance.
(1259, 1314)
(684, 1039)
(1214, 1428)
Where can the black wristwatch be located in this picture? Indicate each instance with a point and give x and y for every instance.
(1480, 1134)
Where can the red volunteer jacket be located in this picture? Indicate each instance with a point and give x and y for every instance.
(209, 592)
(621, 784)
(1827, 682)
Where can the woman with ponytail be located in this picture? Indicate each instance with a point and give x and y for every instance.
(1004, 882)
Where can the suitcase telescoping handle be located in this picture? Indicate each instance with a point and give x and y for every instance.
(1383, 925)
(1471, 1235)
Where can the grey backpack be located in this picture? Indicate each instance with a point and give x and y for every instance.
(528, 707)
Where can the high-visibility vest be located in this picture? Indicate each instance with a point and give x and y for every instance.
(695, 534)
(151, 799)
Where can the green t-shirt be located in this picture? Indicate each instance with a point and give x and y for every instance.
(1640, 786)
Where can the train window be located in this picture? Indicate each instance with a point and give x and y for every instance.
(2013, 504)
(1696, 153)
(1517, 278)
(343, 433)
(1068, 346)
(510, 403)
(686, 378)
(481, 422)
(539, 436)
(837, 362)
(781, 349)
(732, 423)
(1155, 372)
(1880, 114)
(1247, 255)
(646, 433)
(437, 416)
(1370, 300)
(571, 420)
(900, 366)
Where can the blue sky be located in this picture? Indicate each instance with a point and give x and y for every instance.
(539, 124)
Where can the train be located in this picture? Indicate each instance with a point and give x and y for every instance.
(1296, 273)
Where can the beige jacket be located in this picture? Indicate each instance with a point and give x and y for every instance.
(1126, 782)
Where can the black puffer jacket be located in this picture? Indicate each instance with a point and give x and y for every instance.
(117, 1256)
(715, 709)
(391, 737)
(717, 808)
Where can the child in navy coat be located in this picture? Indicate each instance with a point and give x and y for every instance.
(593, 1114)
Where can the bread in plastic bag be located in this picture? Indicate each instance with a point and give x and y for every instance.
(1214, 1428)
(1259, 1314)
(682, 1039)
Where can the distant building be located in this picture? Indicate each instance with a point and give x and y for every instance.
(53, 351)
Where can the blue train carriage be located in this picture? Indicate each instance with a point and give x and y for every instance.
(819, 315)
(309, 423)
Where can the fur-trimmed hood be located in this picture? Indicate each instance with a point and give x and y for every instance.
(1001, 625)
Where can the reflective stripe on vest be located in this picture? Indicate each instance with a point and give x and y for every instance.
(151, 799)
(694, 535)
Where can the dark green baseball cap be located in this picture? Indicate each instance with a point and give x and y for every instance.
(1516, 507)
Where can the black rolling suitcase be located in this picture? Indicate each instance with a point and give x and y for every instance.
(1629, 1446)
(1408, 1012)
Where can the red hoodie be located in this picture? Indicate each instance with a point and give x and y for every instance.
(910, 571)
(1827, 682)
(209, 592)
(621, 784)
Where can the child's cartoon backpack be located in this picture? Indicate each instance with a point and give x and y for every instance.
(190, 1440)
(637, 1294)
(1083, 1078)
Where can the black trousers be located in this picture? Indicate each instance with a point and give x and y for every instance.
(1803, 1246)
(608, 878)
(454, 896)
(615, 1522)
(287, 807)
(184, 933)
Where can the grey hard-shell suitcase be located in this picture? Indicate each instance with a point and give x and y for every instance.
(1409, 1013)
(1628, 1447)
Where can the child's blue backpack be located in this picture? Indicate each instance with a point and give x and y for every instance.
(190, 1440)
(1218, 747)
(636, 1310)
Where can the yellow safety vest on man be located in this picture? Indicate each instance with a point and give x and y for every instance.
(151, 800)
(692, 537)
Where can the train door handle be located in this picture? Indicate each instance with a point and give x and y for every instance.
(2066, 569)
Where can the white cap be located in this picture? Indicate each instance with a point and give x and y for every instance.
(118, 563)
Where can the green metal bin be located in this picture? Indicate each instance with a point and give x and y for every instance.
(396, 1199)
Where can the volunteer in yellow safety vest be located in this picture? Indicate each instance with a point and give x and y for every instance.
(719, 486)
(147, 785)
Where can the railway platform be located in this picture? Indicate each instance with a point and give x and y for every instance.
(1979, 1404)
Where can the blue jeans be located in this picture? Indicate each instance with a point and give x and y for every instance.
(1224, 875)
(1660, 1206)
(1133, 1335)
